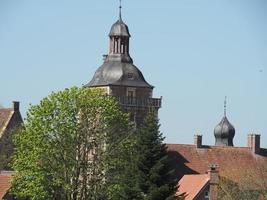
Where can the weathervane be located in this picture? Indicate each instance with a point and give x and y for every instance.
(225, 101)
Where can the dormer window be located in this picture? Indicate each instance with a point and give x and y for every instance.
(130, 76)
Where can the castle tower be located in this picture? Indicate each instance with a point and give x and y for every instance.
(119, 77)
(224, 132)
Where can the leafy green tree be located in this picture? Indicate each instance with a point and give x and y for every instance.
(122, 176)
(152, 161)
(229, 190)
(69, 147)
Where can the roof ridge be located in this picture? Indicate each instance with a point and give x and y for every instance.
(6, 109)
(6, 173)
(179, 144)
(212, 146)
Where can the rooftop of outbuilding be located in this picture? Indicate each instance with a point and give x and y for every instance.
(192, 185)
(235, 163)
(5, 182)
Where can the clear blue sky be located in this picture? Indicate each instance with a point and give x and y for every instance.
(194, 53)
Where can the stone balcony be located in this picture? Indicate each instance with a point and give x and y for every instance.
(140, 102)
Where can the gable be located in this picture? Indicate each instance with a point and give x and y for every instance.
(192, 185)
(5, 116)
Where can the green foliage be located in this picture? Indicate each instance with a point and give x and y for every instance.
(152, 161)
(229, 190)
(121, 175)
(78, 144)
(141, 166)
(66, 148)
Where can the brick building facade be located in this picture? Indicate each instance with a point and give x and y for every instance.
(10, 119)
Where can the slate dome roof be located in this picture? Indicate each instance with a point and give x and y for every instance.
(118, 73)
(224, 129)
(118, 68)
(119, 28)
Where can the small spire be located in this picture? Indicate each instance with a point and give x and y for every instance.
(120, 11)
(225, 102)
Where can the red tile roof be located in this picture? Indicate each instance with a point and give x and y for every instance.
(191, 185)
(5, 116)
(235, 163)
(5, 182)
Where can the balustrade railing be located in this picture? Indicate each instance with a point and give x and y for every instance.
(140, 102)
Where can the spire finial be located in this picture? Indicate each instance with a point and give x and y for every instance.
(225, 102)
(120, 11)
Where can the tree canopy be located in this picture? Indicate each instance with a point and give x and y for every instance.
(63, 150)
(78, 144)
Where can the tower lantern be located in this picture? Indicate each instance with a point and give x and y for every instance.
(119, 38)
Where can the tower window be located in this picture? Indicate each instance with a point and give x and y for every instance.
(131, 92)
(130, 76)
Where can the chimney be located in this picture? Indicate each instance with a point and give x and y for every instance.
(213, 174)
(16, 105)
(198, 141)
(254, 143)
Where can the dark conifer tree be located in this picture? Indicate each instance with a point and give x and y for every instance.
(152, 161)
